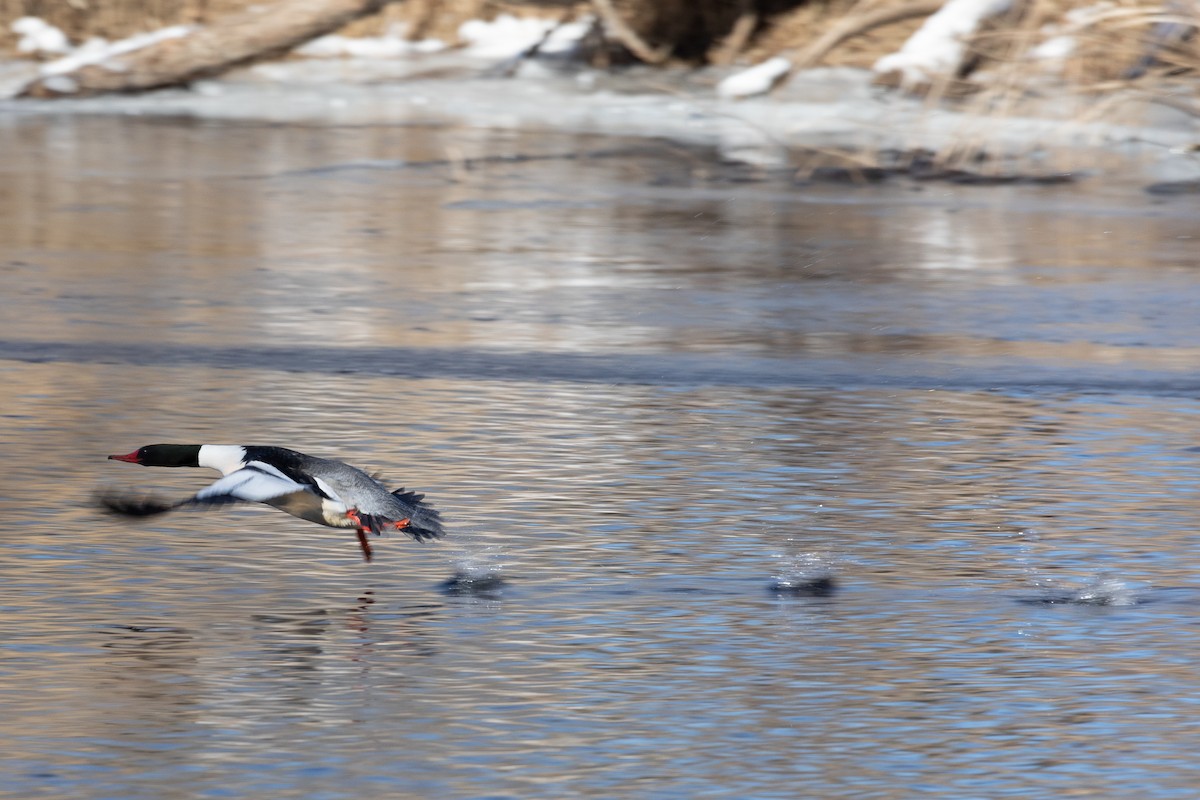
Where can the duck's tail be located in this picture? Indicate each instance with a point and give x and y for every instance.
(424, 521)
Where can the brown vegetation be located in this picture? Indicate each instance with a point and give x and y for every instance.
(116, 19)
(235, 38)
(1116, 41)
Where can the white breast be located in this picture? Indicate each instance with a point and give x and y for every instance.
(225, 458)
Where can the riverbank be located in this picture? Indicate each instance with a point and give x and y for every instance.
(827, 121)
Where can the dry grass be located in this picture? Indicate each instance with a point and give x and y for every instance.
(1127, 51)
(1124, 56)
(804, 24)
(440, 19)
(1117, 43)
(111, 19)
(1113, 40)
(115, 19)
(1123, 47)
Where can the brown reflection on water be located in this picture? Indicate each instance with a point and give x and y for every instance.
(120, 230)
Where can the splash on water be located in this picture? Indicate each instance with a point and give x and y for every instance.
(1095, 590)
(805, 575)
(476, 572)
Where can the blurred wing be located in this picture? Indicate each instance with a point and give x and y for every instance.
(249, 484)
(128, 505)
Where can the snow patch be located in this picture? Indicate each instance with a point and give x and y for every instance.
(757, 80)
(391, 45)
(937, 46)
(39, 37)
(1055, 49)
(508, 36)
(1061, 41)
(98, 51)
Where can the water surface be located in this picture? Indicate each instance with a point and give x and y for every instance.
(648, 397)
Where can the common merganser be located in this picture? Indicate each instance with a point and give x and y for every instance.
(319, 490)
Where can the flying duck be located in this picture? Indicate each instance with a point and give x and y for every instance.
(319, 490)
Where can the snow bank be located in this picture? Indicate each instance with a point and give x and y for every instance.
(98, 51)
(39, 37)
(757, 80)
(937, 46)
(508, 36)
